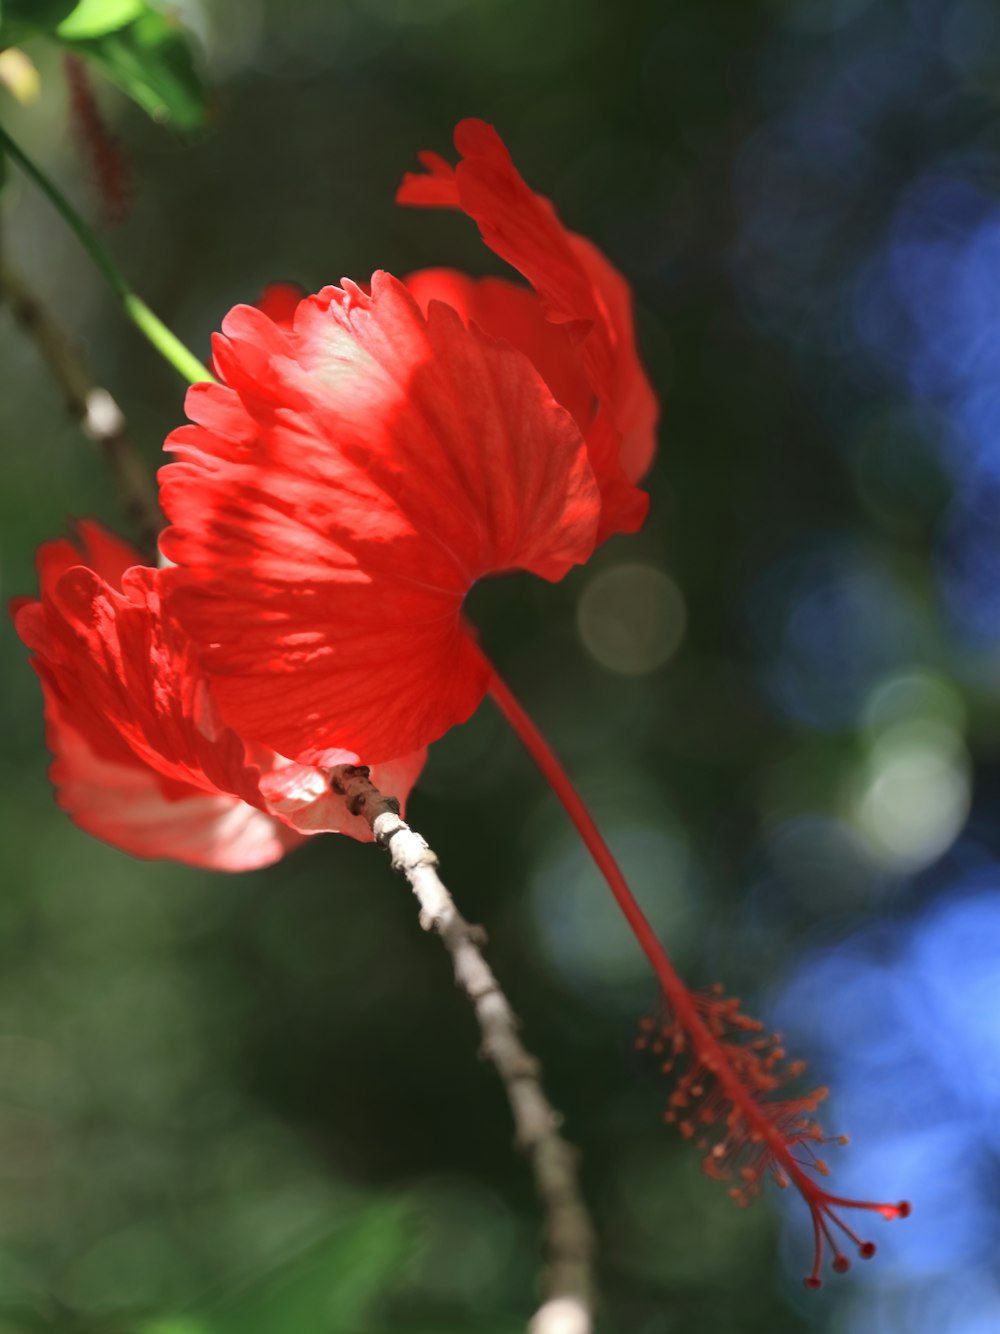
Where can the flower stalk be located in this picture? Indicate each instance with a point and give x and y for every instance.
(569, 1236)
(90, 404)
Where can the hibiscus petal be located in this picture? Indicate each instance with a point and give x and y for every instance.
(124, 804)
(141, 757)
(126, 678)
(279, 302)
(636, 408)
(508, 310)
(580, 291)
(93, 546)
(397, 458)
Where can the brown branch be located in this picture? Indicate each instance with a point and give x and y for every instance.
(93, 407)
(569, 1238)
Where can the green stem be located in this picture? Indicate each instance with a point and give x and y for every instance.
(166, 343)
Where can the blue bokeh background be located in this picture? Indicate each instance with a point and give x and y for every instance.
(781, 699)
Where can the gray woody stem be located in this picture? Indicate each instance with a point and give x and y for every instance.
(93, 407)
(569, 1240)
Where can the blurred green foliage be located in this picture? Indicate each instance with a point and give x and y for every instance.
(253, 1104)
(144, 50)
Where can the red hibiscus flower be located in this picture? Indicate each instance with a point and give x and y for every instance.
(371, 453)
(140, 757)
(368, 455)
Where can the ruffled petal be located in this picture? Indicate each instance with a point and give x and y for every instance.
(580, 291)
(279, 302)
(123, 803)
(508, 310)
(126, 676)
(141, 758)
(322, 561)
(636, 408)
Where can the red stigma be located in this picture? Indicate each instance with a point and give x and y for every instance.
(725, 1099)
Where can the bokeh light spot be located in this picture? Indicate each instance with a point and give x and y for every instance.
(631, 618)
(914, 795)
(911, 695)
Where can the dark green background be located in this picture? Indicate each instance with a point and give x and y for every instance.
(254, 1103)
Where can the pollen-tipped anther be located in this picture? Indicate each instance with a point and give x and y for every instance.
(728, 1087)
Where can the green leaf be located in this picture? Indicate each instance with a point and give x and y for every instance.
(24, 18)
(172, 1325)
(93, 18)
(150, 59)
(331, 1285)
(478, 1324)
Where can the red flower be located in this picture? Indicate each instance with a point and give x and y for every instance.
(367, 457)
(372, 454)
(140, 758)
